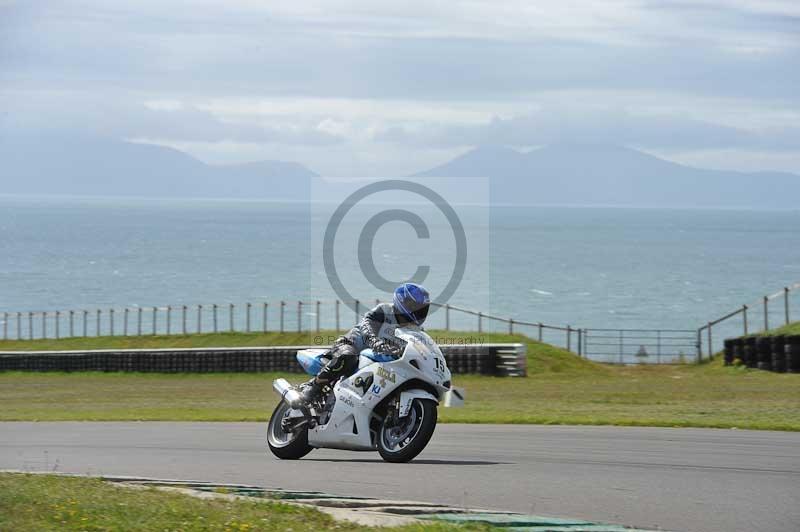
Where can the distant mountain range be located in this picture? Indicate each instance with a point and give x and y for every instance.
(103, 167)
(562, 174)
(592, 174)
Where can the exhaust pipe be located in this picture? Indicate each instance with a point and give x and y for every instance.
(287, 393)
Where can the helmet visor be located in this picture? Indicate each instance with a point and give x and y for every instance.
(420, 314)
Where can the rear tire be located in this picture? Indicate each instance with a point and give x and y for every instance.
(286, 446)
(407, 437)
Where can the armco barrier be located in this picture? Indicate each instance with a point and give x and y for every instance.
(779, 353)
(484, 359)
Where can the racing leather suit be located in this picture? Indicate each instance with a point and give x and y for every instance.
(375, 331)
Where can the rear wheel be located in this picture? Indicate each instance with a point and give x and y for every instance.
(286, 445)
(402, 439)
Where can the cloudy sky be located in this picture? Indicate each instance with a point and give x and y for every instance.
(370, 88)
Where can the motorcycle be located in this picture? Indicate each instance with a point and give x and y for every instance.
(389, 404)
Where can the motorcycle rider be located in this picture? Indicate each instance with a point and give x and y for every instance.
(409, 307)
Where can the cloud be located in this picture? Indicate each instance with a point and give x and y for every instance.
(477, 51)
(384, 78)
(111, 116)
(666, 132)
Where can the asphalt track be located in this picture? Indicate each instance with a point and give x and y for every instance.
(701, 480)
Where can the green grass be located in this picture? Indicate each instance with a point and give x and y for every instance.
(560, 389)
(224, 339)
(791, 328)
(49, 502)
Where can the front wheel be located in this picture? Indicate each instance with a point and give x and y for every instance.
(401, 439)
(286, 445)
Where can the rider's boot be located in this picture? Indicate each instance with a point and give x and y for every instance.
(311, 390)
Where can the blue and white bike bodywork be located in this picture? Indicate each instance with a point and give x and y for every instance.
(389, 404)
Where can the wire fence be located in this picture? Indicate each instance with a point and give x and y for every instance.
(769, 312)
(640, 346)
(623, 346)
(279, 316)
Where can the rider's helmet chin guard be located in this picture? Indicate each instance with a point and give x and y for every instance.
(412, 301)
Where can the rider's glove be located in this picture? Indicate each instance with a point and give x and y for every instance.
(382, 346)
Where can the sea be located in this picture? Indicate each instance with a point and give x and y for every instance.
(598, 267)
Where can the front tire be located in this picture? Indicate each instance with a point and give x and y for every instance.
(401, 440)
(286, 445)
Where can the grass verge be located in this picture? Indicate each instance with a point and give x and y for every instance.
(560, 389)
(50, 502)
(791, 328)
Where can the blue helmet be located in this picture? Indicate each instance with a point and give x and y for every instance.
(412, 301)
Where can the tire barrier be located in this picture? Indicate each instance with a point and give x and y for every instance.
(750, 359)
(764, 353)
(729, 351)
(484, 359)
(792, 353)
(779, 354)
(738, 350)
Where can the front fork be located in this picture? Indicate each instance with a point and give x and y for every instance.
(390, 415)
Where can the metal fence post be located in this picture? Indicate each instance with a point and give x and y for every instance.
(199, 319)
(621, 349)
(155, 320)
(580, 342)
(586, 343)
(447, 317)
(97, 323)
(658, 347)
(19, 325)
(540, 331)
(480, 322)
(786, 303)
(766, 313)
(744, 318)
(169, 319)
(214, 316)
(317, 315)
(111, 320)
(264, 317)
(183, 319)
(30, 325)
(699, 342)
(58, 328)
(138, 321)
(510, 325)
(71, 323)
(85, 319)
(357, 311)
(247, 317)
(283, 305)
(569, 338)
(710, 344)
(230, 318)
(125, 322)
(44, 324)
(299, 316)
(337, 313)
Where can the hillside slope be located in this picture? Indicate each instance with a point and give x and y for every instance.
(599, 174)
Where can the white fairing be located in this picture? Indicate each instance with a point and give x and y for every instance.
(357, 396)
